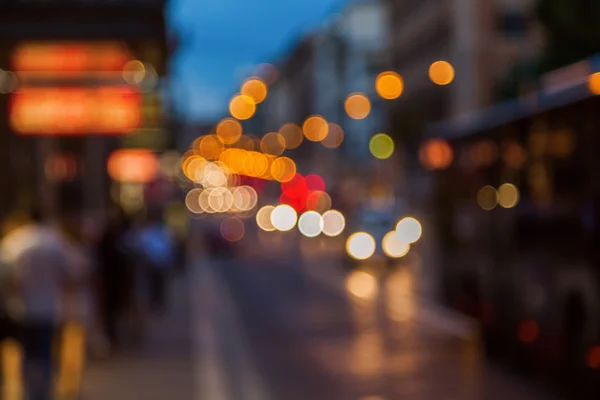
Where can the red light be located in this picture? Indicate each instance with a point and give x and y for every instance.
(528, 331)
(77, 110)
(132, 165)
(593, 358)
(315, 183)
(296, 187)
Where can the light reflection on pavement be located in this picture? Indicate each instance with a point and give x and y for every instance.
(314, 340)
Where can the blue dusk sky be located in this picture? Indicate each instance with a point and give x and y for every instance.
(221, 41)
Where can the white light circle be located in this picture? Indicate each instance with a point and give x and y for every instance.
(334, 223)
(311, 224)
(360, 246)
(393, 246)
(284, 218)
(409, 230)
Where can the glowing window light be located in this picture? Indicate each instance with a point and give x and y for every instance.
(357, 106)
(334, 223)
(409, 230)
(263, 219)
(311, 224)
(132, 165)
(242, 107)
(284, 218)
(441, 73)
(508, 195)
(360, 246)
(389, 85)
(255, 88)
(393, 246)
(381, 146)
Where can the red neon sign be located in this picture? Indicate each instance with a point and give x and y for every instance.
(69, 57)
(75, 110)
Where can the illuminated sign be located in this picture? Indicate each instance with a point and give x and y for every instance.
(132, 165)
(75, 110)
(69, 58)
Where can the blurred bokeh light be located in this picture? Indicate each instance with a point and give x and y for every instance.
(508, 195)
(292, 134)
(362, 285)
(393, 246)
(357, 106)
(441, 73)
(315, 128)
(409, 230)
(436, 154)
(487, 198)
(381, 146)
(389, 85)
(273, 143)
(263, 219)
(284, 218)
(310, 224)
(242, 107)
(229, 131)
(233, 229)
(255, 88)
(335, 137)
(360, 245)
(334, 223)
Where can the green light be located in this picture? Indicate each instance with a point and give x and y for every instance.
(381, 146)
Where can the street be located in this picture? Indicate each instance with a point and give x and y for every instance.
(347, 336)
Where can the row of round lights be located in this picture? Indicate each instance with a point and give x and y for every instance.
(311, 224)
(395, 244)
(220, 200)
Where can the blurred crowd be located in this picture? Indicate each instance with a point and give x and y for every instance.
(53, 274)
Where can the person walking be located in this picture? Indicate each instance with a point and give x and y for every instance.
(35, 260)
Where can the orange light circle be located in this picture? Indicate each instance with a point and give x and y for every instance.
(357, 106)
(283, 169)
(246, 143)
(315, 128)
(335, 137)
(242, 107)
(436, 154)
(255, 88)
(211, 147)
(272, 143)
(292, 134)
(441, 73)
(229, 131)
(389, 85)
(233, 229)
(594, 83)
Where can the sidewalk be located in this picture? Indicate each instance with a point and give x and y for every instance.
(162, 369)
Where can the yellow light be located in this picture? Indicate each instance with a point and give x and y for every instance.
(508, 195)
(357, 106)
(594, 83)
(360, 246)
(229, 131)
(381, 146)
(333, 223)
(441, 73)
(273, 143)
(389, 85)
(232, 229)
(292, 134)
(256, 89)
(192, 201)
(284, 218)
(283, 169)
(335, 137)
(393, 246)
(487, 198)
(242, 107)
(409, 230)
(311, 224)
(263, 218)
(362, 285)
(315, 128)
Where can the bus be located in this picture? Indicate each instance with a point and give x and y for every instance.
(518, 216)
